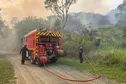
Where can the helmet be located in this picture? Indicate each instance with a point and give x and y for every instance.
(81, 47)
(25, 45)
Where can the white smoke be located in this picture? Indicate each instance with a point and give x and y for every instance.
(112, 16)
(9, 43)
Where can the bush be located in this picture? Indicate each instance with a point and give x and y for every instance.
(111, 52)
(71, 46)
(109, 57)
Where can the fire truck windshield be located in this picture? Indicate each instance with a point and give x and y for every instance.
(44, 39)
(48, 39)
(54, 39)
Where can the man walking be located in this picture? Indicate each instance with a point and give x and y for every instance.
(81, 54)
(23, 52)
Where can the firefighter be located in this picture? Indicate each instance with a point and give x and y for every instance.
(81, 54)
(23, 53)
(97, 43)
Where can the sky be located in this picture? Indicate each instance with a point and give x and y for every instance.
(95, 6)
(24, 8)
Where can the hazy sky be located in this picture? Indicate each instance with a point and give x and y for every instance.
(23, 8)
(96, 6)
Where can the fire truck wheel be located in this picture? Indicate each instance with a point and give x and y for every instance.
(38, 62)
(32, 60)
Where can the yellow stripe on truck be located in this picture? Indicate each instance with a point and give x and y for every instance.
(52, 34)
(37, 36)
(44, 33)
(39, 33)
(47, 33)
(58, 34)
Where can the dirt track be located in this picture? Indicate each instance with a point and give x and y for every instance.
(32, 74)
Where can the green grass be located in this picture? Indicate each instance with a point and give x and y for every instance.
(6, 71)
(113, 72)
(109, 56)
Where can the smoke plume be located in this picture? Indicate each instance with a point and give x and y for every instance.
(95, 6)
(24, 8)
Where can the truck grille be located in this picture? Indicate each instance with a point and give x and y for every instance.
(49, 48)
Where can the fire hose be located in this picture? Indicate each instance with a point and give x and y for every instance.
(98, 75)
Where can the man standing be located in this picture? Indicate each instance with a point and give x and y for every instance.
(23, 52)
(97, 43)
(81, 54)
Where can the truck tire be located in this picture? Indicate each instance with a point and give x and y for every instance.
(38, 62)
(32, 59)
(29, 55)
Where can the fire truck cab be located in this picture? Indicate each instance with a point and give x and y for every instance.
(42, 43)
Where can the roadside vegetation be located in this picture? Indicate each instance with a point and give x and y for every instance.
(109, 58)
(6, 71)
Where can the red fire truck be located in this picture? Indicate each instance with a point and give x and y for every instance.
(43, 44)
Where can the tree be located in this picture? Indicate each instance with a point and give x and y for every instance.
(14, 20)
(60, 8)
(57, 25)
(1, 26)
(121, 7)
(4, 29)
(122, 17)
(125, 32)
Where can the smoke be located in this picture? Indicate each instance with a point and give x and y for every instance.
(112, 16)
(9, 43)
(95, 6)
(118, 15)
(23, 8)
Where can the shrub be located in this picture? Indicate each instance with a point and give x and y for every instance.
(110, 57)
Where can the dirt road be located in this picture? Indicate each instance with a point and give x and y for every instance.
(32, 74)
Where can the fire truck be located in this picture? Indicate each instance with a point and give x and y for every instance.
(43, 44)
